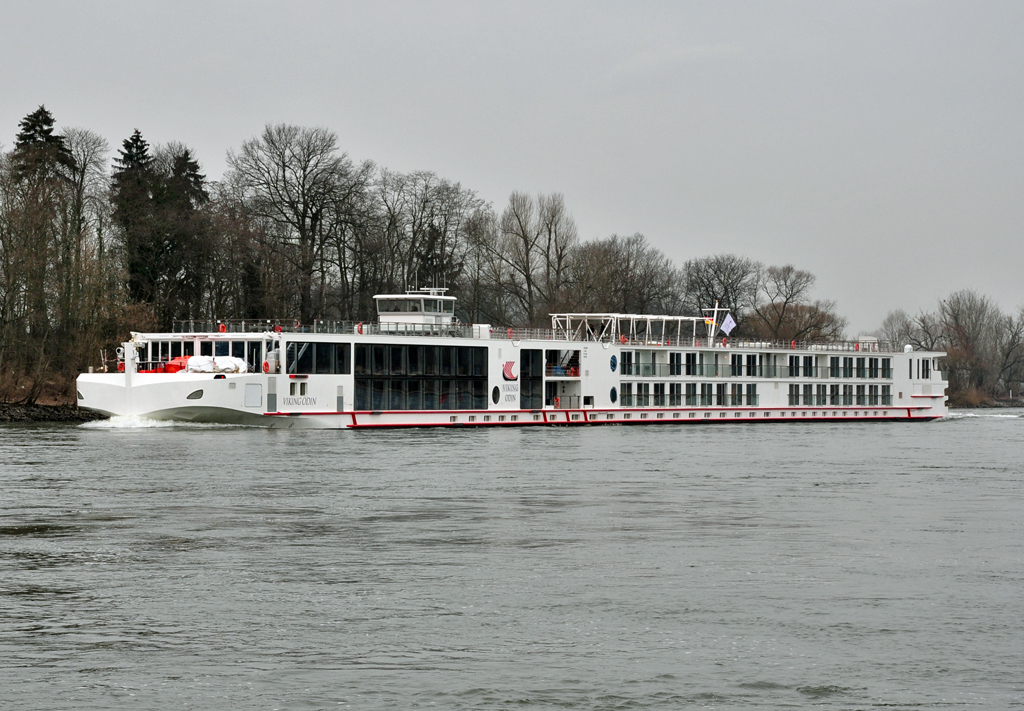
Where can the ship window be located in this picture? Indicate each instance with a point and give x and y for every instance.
(377, 391)
(397, 360)
(175, 349)
(221, 348)
(495, 395)
(447, 356)
(415, 360)
(430, 306)
(397, 395)
(833, 367)
(206, 348)
(238, 349)
(448, 307)
(675, 364)
(378, 364)
(300, 357)
(465, 361)
(361, 364)
(414, 395)
(430, 395)
(194, 395)
(342, 358)
(752, 368)
(691, 364)
(188, 348)
(430, 361)
(613, 395)
(324, 358)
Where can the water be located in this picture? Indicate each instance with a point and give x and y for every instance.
(730, 566)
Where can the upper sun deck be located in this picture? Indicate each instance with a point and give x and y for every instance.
(431, 313)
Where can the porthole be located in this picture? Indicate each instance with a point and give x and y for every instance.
(194, 395)
(614, 364)
(613, 395)
(495, 395)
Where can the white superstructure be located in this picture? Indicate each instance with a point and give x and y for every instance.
(418, 367)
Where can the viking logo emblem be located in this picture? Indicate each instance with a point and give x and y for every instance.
(506, 371)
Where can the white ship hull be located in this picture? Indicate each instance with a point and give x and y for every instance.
(611, 383)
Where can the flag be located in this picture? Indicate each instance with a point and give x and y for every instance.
(728, 324)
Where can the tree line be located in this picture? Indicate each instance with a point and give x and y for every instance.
(984, 344)
(95, 242)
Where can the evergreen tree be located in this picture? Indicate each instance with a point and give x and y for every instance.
(38, 151)
(134, 186)
(184, 235)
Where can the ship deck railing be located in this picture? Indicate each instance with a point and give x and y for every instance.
(462, 330)
(727, 370)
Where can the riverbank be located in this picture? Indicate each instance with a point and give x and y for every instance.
(984, 404)
(46, 413)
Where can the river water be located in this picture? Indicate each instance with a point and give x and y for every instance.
(843, 566)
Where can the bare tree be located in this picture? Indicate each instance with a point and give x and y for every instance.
(783, 310)
(290, 176)
(726, 279)
(897, 328)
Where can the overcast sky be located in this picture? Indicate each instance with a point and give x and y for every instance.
(877, 145)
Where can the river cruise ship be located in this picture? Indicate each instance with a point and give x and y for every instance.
(417, 366)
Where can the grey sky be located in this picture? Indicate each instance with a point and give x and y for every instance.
(877, 145)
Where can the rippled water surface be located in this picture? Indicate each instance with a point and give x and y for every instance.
(730, 566)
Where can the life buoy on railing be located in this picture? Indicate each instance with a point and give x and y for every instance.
(222, 328)
(792, 345)
(723, 343)
(277, 329)
(120, 367)
(359, 328)
(856, 346)
(510, 334)
(557, 403)
(623, 340)
(266, 367)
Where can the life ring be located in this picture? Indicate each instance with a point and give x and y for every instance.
(558, 402)
(359, 328)
(266, 367)
(277, 329)
(510, 334)
(792, 345)
(856, 346)
(723, 343)
(222, 328)
(623, 340)
(120, 367)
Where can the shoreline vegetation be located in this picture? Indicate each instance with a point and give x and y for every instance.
(96, 243)
(13, 413)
